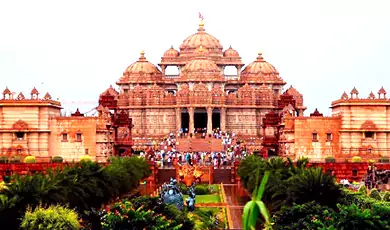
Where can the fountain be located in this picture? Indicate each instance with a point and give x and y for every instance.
(171, 194)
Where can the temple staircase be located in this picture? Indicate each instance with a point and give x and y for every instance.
(200, 145)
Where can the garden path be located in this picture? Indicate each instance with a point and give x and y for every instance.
(236, 199)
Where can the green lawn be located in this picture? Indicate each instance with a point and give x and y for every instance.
(213, 198)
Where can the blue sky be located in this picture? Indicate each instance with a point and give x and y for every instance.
(76, 49)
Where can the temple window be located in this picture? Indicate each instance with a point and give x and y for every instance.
(369, 135)
(369, 150)
(354, 172)
(126, 91)
(328, 137)
(64, 137)
(19, 151)
(86, 151)
(19, 136)
(78, 137)
(315, 137)
(276, 91)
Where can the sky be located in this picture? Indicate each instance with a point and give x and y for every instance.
(77, 49)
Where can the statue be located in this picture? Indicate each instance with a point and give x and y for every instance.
(190, 201)
(188, 174)
(171, 194)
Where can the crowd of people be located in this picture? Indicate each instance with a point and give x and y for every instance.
(167, 155)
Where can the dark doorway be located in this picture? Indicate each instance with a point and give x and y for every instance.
(200, 120)
(216, 119)
(185, 121)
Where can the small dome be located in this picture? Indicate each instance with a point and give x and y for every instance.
(171, 53)
(142, 71)
(260, 71)
(201, 38)
(231, 53)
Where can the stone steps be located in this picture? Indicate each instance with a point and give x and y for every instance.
(200, 145)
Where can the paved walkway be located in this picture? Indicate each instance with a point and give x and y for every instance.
(235, 200)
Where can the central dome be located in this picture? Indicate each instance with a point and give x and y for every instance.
(201, 38)
(201, 69)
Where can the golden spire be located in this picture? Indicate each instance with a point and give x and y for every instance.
(201, 25)
(142, 57)
(260, 56)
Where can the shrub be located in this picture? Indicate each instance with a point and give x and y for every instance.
(125, 216)
(386, 196)
(381, 208)
(85, 158)
(374, 193)
(15, 159)
(362, 189)
(214, 188)
(313, 184)
(201, 189)
(53, 217)
(183, 188)
(356, 159)
(3, 159)
(57, 159)
(30, 159)
(384, 160)
(330, 160)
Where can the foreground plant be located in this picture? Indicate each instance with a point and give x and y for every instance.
(256, 208)
(53, 217)
(125, 216)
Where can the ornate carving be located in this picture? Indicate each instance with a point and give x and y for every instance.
(368, 126)
(245, 95)
(21, 96)
(20, 125)
(183, 95)
(200, 94)
(155, 95)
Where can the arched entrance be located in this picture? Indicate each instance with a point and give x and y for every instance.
(185, 120)
(200, 120)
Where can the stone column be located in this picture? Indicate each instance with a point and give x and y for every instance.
(223, 119)
(209, 120)
(192, 123)
(178, 119)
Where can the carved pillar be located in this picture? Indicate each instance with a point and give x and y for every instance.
(223, 119)
(178, 119)
(192, 123)
(209, 120)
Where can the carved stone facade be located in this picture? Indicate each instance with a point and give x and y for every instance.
(34, 126)
(357, 127)
(202, 95)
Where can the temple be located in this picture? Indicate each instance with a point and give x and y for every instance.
(198, 89)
